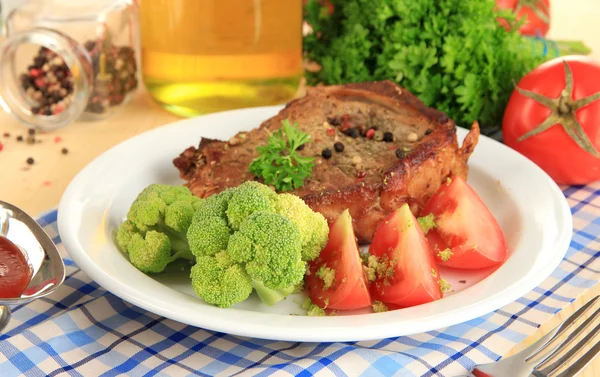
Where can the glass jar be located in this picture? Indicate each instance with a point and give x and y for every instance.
(64, 60)
(201, 56)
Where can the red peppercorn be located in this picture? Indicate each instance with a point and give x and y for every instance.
(370, 133)
(58, 109)
(40, 83)
(330, 131)
(35, 72)
(1, 147)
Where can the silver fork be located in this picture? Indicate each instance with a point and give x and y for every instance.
(564, 352)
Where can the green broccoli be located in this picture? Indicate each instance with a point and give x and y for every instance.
(312, 310)
(427, 222)
(215, 205)
(220, 281)
(267, 236)
(208, 235)
(312, 225)
(248, 198)
(266, 248)
(379, 307)
(270, 246)
(154, 233)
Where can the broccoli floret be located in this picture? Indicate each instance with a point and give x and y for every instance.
(124, 234)
(215, 205)
(270, 246)
(312, 225)
(151, 253)
(208, 235)
(154, 233)
(178, 216)
(220, 281)
(248, 198)
(271, 296)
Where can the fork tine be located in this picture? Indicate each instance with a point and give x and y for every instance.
(565, 352)
(577, 366)
(551, 345)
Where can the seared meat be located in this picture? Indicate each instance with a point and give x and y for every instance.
(412, 150)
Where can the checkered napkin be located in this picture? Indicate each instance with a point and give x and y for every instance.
(83, 330)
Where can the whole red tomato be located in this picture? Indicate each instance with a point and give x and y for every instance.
(536, 14)
(553, 118)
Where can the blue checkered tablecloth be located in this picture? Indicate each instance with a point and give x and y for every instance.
(82, 330)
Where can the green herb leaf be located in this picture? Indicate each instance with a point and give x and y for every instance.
(279, 162)
(452, 54)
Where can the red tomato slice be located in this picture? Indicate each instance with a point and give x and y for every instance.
(349, 290)
(412, 278)
(464, 225)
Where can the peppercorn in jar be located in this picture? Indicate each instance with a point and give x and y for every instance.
(64, 60)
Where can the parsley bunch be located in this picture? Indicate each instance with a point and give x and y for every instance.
(452, 54)
(279, 163)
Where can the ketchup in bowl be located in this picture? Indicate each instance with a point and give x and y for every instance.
(14, 270)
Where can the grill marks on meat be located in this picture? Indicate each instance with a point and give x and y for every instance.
(370, 188)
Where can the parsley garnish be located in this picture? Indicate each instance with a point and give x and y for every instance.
(279, 163)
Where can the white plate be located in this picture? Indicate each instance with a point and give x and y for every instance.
(529, 206)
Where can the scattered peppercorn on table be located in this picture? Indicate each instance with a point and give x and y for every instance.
(37, 167)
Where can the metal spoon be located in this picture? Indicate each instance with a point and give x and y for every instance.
(47, 267)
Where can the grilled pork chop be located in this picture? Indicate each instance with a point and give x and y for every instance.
(410, 152)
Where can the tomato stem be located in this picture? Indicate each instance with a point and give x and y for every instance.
(564, 107)
(564, 113)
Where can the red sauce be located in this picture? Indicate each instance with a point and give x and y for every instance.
(14, 270)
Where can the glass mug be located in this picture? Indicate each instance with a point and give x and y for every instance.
(202, 56)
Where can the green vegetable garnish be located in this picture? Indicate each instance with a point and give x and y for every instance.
(312, 309)
(279, 162)
(444, 285)
(452, 54)
(379, 307)
(154, 234)
(445, 254)
(427, 222)
(327, 275)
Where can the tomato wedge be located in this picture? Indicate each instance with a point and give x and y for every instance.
(406, 273)
(466, 234)
(348, 289)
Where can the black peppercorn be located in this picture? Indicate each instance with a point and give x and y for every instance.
(428, 131)
(31, 131)
(64, 151)
(301, 147)
(326, 153)
(19, 138)
(30, 161)
(400, 153)
(388, 137)
(352, 132)
(333, 121)
(339, 147)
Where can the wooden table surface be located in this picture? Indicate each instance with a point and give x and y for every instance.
(38, 187)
